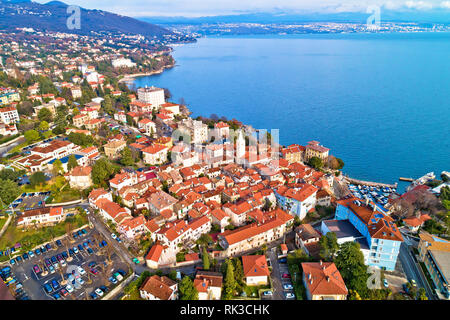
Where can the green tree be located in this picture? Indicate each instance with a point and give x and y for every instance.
(43, 126)
(72, 162)
(328, 246)
(31, 135)
(205, 259)
(350, 263)
(57, 167)
(9, 191)
(37, 178)
(126, 157)
(101, 171)
(230, 281)
(107, 105)
(45, 115)
(316, 163)
(204, 240)
(422, 294)
(187, 289)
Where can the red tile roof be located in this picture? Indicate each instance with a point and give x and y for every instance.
(323, 279)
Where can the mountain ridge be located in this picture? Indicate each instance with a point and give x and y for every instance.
(53, 16)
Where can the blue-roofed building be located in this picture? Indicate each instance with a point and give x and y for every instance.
(381, 235)
(81, 160)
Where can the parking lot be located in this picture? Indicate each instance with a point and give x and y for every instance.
(285, 279)
(29, 201)
(71, 268)
(282, 288)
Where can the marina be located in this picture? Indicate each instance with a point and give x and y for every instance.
(378, 194)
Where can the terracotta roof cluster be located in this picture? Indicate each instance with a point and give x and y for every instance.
(206, 279)
(380, 225)
(300, 194)
(323, 278)
(159, 287)
(255, 266)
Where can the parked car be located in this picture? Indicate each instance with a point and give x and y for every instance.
(104, 288)
(93, 295)
(81, 270)
(12, 262)
(64, 292)
(94, 271)
(99, 292)
(36, 269)
(113, 235)
(385, 283)
(113, 280)
(267, 293)
(289, 295)
(122, 272)
(282, 260)
(31, 254)
(136, 261)
(83, 231)
(286, 276)
(25, 256)
(69, 288)
(413, 282)
(80, 281)
(80, 247)
(90, 251)
(118, 276)
(75, 250)
(56, 296)
(19, 259)
(288, 286)
(55, 284)
(37, 252)
(58, 243)
(48, 288)
(48, 246)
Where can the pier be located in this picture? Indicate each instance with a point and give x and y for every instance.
(406, 179)
(370, 183)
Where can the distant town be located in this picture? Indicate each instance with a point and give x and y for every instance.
(253, 28)
(114, 192)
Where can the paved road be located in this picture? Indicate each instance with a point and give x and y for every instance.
(275, 276)
(411, 270)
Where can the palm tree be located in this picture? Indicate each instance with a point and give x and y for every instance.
(62, 271)
(66, 243)
(41, 265)
(89, 281)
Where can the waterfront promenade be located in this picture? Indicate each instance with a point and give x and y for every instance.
(369, 183)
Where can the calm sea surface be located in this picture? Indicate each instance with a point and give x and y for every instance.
(381, 102)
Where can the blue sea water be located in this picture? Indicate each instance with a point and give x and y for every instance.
(381, 102)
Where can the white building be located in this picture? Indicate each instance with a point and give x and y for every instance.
(9, 115)
(152, 95)
(122, 62)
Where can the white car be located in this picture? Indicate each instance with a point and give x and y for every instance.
(99, 292)
(80, 281)
(69, 288)
(81, 270)
(289, 295)
(113, 236)
(75, 249)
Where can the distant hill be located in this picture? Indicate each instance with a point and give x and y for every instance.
(52, 16)
(405, 15)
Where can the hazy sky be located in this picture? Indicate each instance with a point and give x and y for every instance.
(191, 8)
